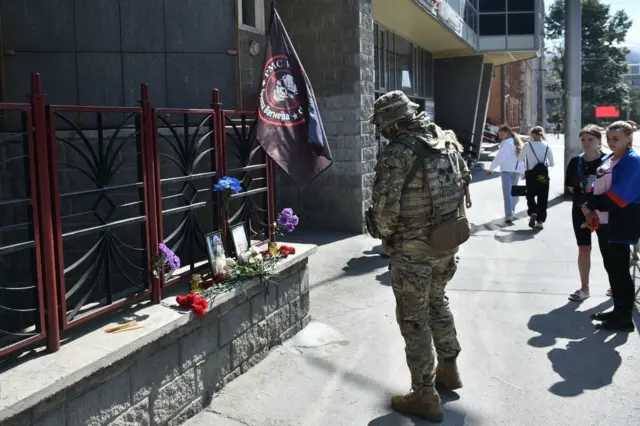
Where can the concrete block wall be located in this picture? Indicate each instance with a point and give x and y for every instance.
(175, 378)
(334, 39)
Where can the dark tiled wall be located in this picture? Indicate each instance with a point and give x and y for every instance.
(100, 51)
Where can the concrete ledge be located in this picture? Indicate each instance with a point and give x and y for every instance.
(165, 372)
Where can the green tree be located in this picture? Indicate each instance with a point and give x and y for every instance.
(557, 116)
(603, 63)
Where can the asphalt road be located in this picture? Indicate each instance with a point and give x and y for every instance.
(530, 357)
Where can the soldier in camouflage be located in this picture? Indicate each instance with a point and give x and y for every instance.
(402, 216)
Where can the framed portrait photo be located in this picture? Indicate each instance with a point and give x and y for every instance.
(240, 240)
(215, 247)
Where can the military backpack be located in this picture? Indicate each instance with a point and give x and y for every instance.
(451, 229)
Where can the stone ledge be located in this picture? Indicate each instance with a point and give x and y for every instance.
(138, 375)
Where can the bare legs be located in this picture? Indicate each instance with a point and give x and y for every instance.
(584, 266)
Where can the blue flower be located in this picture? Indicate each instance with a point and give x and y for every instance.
(228, 183)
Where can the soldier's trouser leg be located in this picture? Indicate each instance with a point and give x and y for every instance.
(411, 285)
(443, 329)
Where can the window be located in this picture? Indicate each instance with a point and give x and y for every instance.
(485, 6)
(404, 65)
(471, 16)
(521, 24)
(493, 25)
(401, 65)
(521, 6)
(251, 15)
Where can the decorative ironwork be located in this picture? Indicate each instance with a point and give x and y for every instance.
(82, 214)
(187, 169)
(21, 295)
(247, 162)
(99, 210)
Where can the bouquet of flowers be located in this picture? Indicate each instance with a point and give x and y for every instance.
(199, 305)
(227, 186)
(286, 221)
(165, 256)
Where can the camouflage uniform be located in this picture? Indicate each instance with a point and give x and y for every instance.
(403, 220)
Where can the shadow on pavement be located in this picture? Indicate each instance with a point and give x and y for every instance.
(565, 322)
(452, 415)
(384, 278)
(364, 264)
(356, 266)
(479, 174)
(587, 364)
(590, 361)
(516, 235)
(498, 224)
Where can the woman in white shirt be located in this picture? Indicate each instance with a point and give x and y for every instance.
(538, 157)
(510, 168)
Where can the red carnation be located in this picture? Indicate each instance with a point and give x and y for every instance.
(187, 301)
(200, 307)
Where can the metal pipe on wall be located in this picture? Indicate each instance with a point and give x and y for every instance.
(572, 78)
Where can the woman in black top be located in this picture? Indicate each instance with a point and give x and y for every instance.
(580, 175)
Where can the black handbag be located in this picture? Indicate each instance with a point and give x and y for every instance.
(518, 191)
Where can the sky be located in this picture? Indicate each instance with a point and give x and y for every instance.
(632, 7)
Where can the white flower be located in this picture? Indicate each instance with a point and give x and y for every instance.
(254, 251)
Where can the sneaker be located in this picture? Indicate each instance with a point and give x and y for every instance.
(539, 225)
(425, 405)
(532, 220)
(509, 220)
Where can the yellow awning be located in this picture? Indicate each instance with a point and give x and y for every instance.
(407, 19)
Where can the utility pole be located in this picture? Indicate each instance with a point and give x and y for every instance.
(542, 81)
(573, 78)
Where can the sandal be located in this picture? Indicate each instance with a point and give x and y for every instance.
(609, 293)
(579, 296)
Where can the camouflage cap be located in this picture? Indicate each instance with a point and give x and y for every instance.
(391, 108)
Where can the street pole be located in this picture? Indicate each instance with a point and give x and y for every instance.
(573, 78)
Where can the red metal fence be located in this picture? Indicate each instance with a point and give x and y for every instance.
(87, 193)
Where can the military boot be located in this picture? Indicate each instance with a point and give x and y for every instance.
(447, 374)
(424, 404)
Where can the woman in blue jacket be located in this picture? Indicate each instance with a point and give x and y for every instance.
(620, 174)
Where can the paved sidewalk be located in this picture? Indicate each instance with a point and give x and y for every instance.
(530, 357)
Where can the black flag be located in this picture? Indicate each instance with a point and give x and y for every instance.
(290, 129)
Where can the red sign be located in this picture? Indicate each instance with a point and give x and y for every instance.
(607, 112)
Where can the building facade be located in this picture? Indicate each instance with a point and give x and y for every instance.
(515, 99)
(632, 78)
(441, 53)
